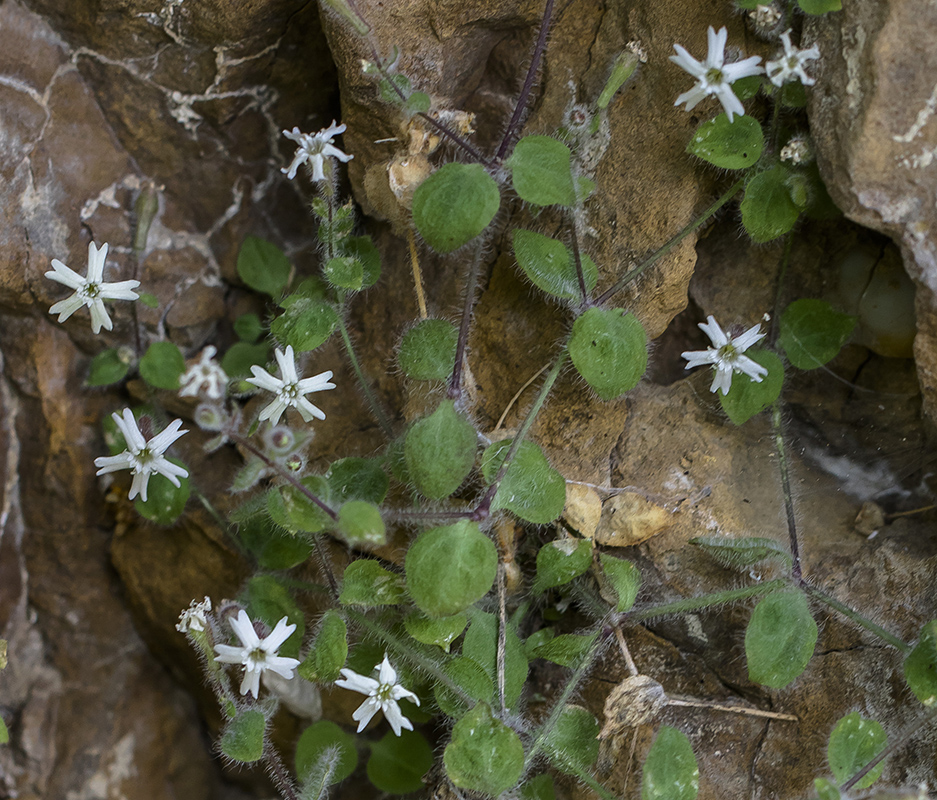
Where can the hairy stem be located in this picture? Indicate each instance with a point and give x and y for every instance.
(277, 769)
(856, 617)
(655, 257)
(784, 468)
(586, 779)
(577, 258)
(455, 382)
(706, 601)
(376, 408)
(417, 274)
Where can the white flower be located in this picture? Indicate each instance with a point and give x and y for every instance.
(194, 618)
(257, 655)
(726, 355)
(790, 65)
(313, 149)
(205, 373)
(141, 456)
(289, 389)
(714, 76)
(383, 693)
(91, 290)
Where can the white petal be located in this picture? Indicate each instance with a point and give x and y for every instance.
(283, 630)
(170, 471)
(699, 358)
(99, 316)
(365, 713)
(316, 164)
(298, 160)
(753, 369)
(317, 383)
(167, 436)
(730, 102)
(307, 410)
(399, 693)
(743, 69)
(251, 682)
(717, 45)
(113, 463)
(386, 674)
(65, 308)
(128, 427)
(692, 97)
(273, 411)
(396, 719)
(713, 331)
(264, 380)
(357, 683)
(96, 260)
(685, 61)
(228, 654)
(138, 487)
(287, 365)
(722, 380)
(65, 275)
(747, 339)
(120, 290)
(244, 629)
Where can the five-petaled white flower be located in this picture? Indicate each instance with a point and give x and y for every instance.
(383, 693)
(714, 76)
(205, 373)
(726, 355)
(195, 617)
(289, 389)
(313, 149)
(255, 654)
(790, 65)
(143, 457)
(91, 290)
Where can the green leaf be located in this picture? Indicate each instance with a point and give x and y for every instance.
(455, 204)
(560, 561)
(622, 69)
(920, 667)
(248, 328)
(531, 488)
(327, 656)
(746, 88)
(540, 787)
(315, 741)
(768, 210)
(550, 265)
(567, 649)
(243, 739)
(743, 551)
(386, 89)
(418, 103)
(263, 266)
(624, 578)
(367, 583)
(670, 771)
(780, 639)
(164, 501)
(362, 249)
(854, 742)
(450, 567)
(481, 645)
(728, 145)
(609, 348)
(471, 678)
(825, 789)
(541, 171)
(107, 368)
(440, 451)
(812, 332)
(361, 525)
(484, 755)
(241, 356)
(148, 299)
(427, 351)
(291, 509)
(398, 763)
(793, 95)
(269, 600)
(357, 479)
(441, 632)
(344, 272)
(747, 398)
(162, 365)
(820, 6)
(572, 745)
(306, 324)
(272, 546)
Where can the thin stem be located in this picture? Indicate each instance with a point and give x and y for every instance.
(782, 274)
(484, 506)
(856, 617)
(532, 71)
(414, 515)
(455, 382)
(502, 634)
(517, 395)
(585, 778)
(376, 408)
(655, 257)
(625, 652)
(706, 601)
(750, 712)
(281, 777)
(784, 469)
(417, 275)
(577, 258)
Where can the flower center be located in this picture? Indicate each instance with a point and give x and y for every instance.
(793, 62)
(728, 353)
(289, 392)
(257, 657)
(714, 76)
(384, 691)
(91, 291)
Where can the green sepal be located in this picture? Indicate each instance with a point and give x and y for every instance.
(243, 738)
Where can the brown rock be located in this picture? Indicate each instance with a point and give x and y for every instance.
(629, 519)
(583, 509)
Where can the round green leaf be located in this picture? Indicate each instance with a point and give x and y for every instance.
(427, 351)
(812, 332)
(362, 249)
(471, 678)
(263, 266)
(541, 171)
(241, 356)
(164, 501)
(107, 368)
(746, 88)
(357, 479)
(609, 348)
(531, 488)
(567, 649)
(327, 656)
(162, 365)
(248, 328)
(670, 771)
(854, 742)
(269, 600)
(485, 755)
(272, 546)
(624, 579)
(825, 789)
(440, 632)
(560, 561)
(398, 763)
(293, 510)
(550, 265)
(768, 210)
(747, 398)
(314, 742)
(920, 667)
(481, 645)
(450, 567)
(540, 787)
(440, 451)
(572, 745)
(305, 324)
(728, 145)
(780, 639)
(743, 551)
(243, 739)
(344, 272)
(367, 583)
(360, 524)
(455, 204)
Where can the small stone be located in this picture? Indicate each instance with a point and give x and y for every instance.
(583, 509)
(628, 519)
(870, 520)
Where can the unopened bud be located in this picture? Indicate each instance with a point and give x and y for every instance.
(635, 701)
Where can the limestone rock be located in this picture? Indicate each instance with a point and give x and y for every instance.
(583, 509)
(629, 519)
